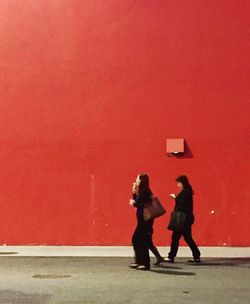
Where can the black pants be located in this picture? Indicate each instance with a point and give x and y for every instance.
(187, 234)
(140, 240)
(152, 247)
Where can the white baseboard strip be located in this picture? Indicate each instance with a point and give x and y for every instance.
(115, 251)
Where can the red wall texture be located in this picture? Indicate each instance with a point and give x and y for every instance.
(90, 91)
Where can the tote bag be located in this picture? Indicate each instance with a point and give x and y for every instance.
(177, 221)
(153, 210)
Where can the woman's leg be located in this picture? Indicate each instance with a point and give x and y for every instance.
(145, 256)
(140, 245)
(152, 248)
(144, 246)
(136, 245)
(187, 234)
(174, 245)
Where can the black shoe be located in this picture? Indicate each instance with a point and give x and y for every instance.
(194, 261)
(133, 265)
(143, 268)
(168, 260)
(159, 261)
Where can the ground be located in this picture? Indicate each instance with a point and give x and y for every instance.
(87, 280)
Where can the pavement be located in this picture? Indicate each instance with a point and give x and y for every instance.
(97, 280)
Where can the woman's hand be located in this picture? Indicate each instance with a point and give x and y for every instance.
(173, 196)
(131, 202)
(134, 188)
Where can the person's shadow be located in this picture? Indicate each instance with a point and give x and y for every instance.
(162, 269)
(173, 272)
(224, 262)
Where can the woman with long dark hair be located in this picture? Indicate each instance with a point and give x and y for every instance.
(184, 204)
(142, 237)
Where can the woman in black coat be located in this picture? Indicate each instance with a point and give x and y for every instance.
(142, 237)
(184, 204)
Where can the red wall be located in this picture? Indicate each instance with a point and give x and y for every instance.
(90, 90)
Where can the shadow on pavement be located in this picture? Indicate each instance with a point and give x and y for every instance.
(18, 297)
(173, 272)
(164, 266)
(223, 262)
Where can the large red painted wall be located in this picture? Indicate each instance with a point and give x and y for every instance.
(90, 90)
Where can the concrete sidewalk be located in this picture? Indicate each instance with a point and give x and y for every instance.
(98, 280)
(115, 251)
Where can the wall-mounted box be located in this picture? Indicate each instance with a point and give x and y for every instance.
(175, 146)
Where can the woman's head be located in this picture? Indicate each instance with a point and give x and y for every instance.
(142, 182)
(183, 183)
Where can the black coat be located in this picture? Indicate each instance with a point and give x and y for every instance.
(141, 200)
(184, 203)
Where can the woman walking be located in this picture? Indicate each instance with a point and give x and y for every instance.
(184, 204)
(142, 237)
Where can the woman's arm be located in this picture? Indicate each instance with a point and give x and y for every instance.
(141, 199)
(134, 194)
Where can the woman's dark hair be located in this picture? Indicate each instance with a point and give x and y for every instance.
(144, 184)
(185, 182)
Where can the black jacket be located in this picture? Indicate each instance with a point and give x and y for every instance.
(141, 200)
(184, 203)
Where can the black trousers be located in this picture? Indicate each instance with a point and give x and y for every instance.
(140, 241)
(187, 234)
(152, 247)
